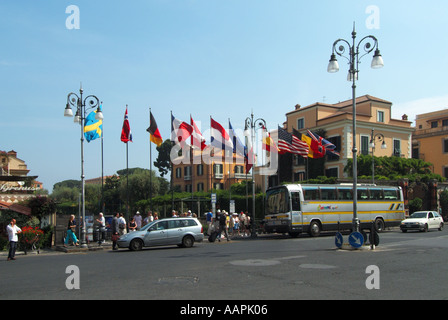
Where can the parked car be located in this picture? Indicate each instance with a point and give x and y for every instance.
(171, 231)
(422, 221)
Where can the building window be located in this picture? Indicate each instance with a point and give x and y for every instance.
(178, 173)
(365, 145)
(218, 171)
(300, 123)
(187, 173)
(434, 124)
(200, 169)
(380, 116)
(397, 148)
(331, 172)
(445, 172)
(188, 188)
(337, 142)
(445, 123)
(445, 145)
(200, 186)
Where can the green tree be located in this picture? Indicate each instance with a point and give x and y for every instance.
(163, 161)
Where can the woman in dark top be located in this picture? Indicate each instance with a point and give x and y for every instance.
(71, 232)
(132, 225)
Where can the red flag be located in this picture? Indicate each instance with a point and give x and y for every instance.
(126, 134)
(197, 140)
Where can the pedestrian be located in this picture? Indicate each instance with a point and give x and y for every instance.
(101, 228)
(156, 216)
(209, 220)
(149, 218)
(132, 225)
(138, 220)
(115, 231)
(71, 227)
(122, 225)
(12, 230)
(236, 225)
(222, 218)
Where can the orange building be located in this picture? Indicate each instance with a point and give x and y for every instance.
(430, 140)
(336, 119)
(202, 173)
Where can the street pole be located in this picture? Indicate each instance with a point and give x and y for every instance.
(371, 43)
(74, 100)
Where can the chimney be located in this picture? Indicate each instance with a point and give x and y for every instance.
(298, 106)
(404, 117)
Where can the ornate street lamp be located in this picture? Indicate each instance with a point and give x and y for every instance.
(373, 138)
(90, 102)
(251, 123)
(355, 53)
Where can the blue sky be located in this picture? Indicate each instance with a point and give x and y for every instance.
(219, 58)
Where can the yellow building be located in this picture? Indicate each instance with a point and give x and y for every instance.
(200, 172)
(430, 140)
(336, 119)
(15, 184)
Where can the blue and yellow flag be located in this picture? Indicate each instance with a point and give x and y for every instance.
(93, 128)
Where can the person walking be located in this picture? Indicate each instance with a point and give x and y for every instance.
(115, 231)
(222, 218)
(12, 230)
(101, 228)
(71, 231)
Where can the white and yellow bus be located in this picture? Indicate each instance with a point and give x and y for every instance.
(296, 208)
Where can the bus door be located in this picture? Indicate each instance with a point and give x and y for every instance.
(296, 211)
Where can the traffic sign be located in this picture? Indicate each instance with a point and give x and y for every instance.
(213, 197)
(338, 240)
(356, 239)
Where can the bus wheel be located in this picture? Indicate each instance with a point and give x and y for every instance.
(379, 225)
(315, 229)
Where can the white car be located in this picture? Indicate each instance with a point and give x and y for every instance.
(422, 221)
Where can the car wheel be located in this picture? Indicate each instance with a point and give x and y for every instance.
(136, 245)
(441, 226)
(187, 242)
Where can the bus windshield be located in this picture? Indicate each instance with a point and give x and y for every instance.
(277, 201)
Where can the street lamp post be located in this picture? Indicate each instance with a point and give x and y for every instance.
(81, 108)
(251, 123)
(380, 138)
(340, 46)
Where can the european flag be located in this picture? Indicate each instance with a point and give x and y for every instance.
(93, 128)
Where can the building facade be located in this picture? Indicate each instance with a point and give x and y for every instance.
(15, 184)
(430, 140)
(373, 118)
(198, 173)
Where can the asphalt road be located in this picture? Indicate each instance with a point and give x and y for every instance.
(405, 266)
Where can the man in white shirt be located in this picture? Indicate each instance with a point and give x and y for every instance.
(12, 230)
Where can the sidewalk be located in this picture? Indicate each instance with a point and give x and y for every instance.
(60, 249)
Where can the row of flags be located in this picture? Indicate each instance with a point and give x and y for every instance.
(308, 145)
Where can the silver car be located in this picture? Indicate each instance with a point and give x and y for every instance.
(172, 231)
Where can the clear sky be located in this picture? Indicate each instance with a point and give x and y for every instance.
(219, 58)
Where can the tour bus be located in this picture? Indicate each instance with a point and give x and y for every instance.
(296, 208)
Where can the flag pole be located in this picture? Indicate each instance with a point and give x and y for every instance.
(150, 164)
(102, 167)
(127, 179)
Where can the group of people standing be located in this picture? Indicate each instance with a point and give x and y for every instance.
(119, 226)
(235, 224)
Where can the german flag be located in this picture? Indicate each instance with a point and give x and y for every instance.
(154, 134)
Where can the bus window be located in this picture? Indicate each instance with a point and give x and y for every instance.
(327, 193)
(295, 198)
(344, 194)
(277, 201)
(391, 194)
(310, 193)
(362, 194)
(376, 194)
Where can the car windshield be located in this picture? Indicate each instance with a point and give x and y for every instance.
(144, 228)
(418, 215)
